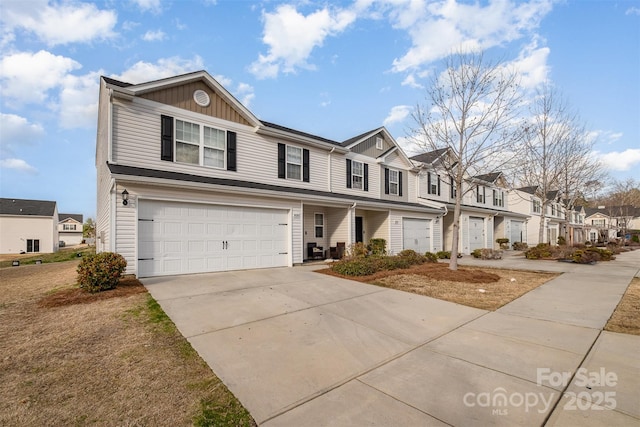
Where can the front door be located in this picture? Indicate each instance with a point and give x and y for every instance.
(359, 236)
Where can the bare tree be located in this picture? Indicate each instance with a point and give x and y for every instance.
(470, 110)
(558, 153)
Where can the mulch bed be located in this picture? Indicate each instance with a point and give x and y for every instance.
(126, 286)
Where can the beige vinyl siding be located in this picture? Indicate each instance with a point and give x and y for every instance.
(103, 178)
(15, 230)
(338, 226)
(309, 228)
(127, 216)
(412, 187)
(436, 234)
(339, 176)
(182, 97)
(137, 143)
(394, 245)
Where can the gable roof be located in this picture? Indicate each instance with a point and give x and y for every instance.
(489, 177)
(24, 207)
(394, 149)
(530, 190)
(139, 89)
(430, 156)
(75, 217)
(358, 138)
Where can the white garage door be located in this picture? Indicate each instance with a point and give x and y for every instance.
(416, 234)
(516, 231)
(180, 238)
(476, 233)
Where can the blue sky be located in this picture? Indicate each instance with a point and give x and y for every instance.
(335, 69)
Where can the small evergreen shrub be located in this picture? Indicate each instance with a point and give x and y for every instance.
(443, 254)
(412, 256)
(431, 257)
(354, 266)
(357, 250)
(520, 246)
(100, 272)
(585, 256)
(562, 241)
(486, 253)
(540, 251)
(635, 238)
(378, 247)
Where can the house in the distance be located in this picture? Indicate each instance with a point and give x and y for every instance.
(28, 226)
(70, 228)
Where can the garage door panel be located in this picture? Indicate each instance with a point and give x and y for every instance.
(476, 233)
(187, 238)
(416, 234)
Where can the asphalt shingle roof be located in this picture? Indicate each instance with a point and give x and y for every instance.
(63, 216)
(27, 207)
(430, 156)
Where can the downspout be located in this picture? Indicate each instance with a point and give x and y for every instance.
(329, 181)
(112, 216)
(110, 128)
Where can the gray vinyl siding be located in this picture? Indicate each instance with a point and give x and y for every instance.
(137, 143)
(368, 146)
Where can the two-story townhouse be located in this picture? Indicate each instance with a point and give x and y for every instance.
(525, 200)
(576, 232)
(70, 228)
(484, 215)
(190, 180)
(607, 223)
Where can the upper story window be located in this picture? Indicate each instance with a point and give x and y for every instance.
(69, 227)
(553, 209)
(433, 183)
(379, 143)
(200, 145)
(452, 185)
(357, 175)
(197, 144)
(498, 198)
(536, 206)
(394, 182)
(293, 162)
(480, 194)
(598, 222)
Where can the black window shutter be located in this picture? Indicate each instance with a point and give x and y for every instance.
(348, 173)
(305, 165)
(438, 185)
(400, 184)
(386, 180)
(428, 182)
(166, 138)
(494, 197)
(366, 177)
(231, 151)
(282, 166)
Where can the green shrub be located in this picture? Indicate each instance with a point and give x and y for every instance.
(412, 256)
(562, 241)
(378, 246)
(360, 266)
(443, 254)
(487, 253)
(520, 246)
(357, 250)
(540, 251)
(585, 256)
(635, 238)
(477, 253)
(100, 272)
(365, 266)
(431, 257)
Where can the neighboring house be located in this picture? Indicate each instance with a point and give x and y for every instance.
(576, 219)
(70, 228)
(484, 215)
(28, 226)
(189, 180)
(607, 223)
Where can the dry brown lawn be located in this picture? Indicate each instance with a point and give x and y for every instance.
(109, 359)
(626, 317)
(484, 288)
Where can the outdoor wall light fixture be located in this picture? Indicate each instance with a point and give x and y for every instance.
(125, 197)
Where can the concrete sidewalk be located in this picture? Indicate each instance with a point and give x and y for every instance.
(301, 348)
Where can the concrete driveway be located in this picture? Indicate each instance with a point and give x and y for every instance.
(302, 348)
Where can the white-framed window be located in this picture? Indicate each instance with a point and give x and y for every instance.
(69, 227)
(200, 145)
(553, 209)
(433, 182)
(319, 225)
(33, 245)
(480, 194)
(536, 206)
(598, 222)
(452, 186)
(394, 182)
(594, 236)
(357, 175)
(498, 198)
(294, 163)
(379, 143)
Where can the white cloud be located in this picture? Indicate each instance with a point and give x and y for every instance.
(165, 67)
(441, 27)
(18, 164)
(78, 106)
(27, 77)
(154, 6)
(633, 11)
(59, 23)
(397, 114)
(532, 65)
(16, 130)
(292, 36)
(152, 36)
(246, 94)
(410, 81)
(620, 160)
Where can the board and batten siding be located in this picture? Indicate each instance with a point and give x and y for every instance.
(127, 216)
(368, 146)
(137, 143)
(182, 97)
